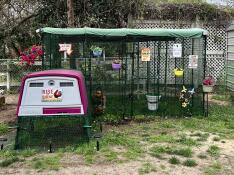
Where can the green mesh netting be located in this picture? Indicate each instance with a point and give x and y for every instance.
(40, 132)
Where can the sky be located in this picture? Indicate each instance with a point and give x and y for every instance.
(221, 2)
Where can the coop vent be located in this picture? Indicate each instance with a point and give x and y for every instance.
(36, 85)
(66, 84)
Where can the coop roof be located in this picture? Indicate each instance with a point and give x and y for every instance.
(121, 33)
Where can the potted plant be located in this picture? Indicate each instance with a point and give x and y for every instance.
(97, 51)
(153, 101)
(116, 65)
(178, 72)
(208, 84)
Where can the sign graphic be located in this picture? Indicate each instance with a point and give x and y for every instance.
(193, 61)
(177, 50)
(145, 54)
(51, 95)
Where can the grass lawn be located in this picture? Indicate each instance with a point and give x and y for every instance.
(194, 145)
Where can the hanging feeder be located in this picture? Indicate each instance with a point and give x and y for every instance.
(178, 72)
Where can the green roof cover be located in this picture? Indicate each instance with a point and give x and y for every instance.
(127, 32)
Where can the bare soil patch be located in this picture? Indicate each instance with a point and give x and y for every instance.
(8, 111)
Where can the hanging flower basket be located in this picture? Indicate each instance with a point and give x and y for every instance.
(178, 72)
(153, 102)
(116, 65)
(97, 51)
(208, 84)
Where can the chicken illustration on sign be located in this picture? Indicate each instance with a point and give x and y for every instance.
(50, 95)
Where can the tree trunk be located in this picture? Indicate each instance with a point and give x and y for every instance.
(70, 13)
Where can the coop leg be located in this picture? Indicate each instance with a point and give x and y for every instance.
(101, 126)
(98, 146)
(50, 149)
(17, 134)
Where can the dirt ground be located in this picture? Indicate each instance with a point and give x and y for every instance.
(8, 111)
(74, 164)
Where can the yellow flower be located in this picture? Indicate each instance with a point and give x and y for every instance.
(184, 104)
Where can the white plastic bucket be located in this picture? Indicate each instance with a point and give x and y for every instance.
(153, 102)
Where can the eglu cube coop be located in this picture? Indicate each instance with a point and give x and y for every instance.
(50, 94)
(146, 72)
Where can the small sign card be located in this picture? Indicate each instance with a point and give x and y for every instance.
(51, 95)
(177, 50)
(64, 47)
(193, 61)
(145, 54)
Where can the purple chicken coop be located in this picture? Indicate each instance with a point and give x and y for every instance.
(53, 92)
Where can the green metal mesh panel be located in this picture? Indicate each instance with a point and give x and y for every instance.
(40, 132)
(123, 88)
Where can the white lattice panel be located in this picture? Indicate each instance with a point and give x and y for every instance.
(216, 42)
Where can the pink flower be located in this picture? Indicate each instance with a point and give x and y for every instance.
(22, 53)
(32, 56)
(40, 52)
(208, 81)
(32, 61)
(34, 49)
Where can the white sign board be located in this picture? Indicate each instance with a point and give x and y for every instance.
(177, 50)
(193, 61)
(145, 54)
(64, 47)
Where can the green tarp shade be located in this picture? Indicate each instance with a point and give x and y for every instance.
(126, 32)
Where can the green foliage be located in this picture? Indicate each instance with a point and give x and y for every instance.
(185, 152)
(8, 161)
(190, 163)
(111, 118)
(214, 151)
(8, 156)
(162, 138)
(46, 163)
(156, 151)
(174, 160)
(3, 128)
(201, 136)
(222, 97)
(88, 150)
(133, 149)
(213, 169)
(27, 152)
(111, 155)
(147, 168)
(187, 141)
(187, 10)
